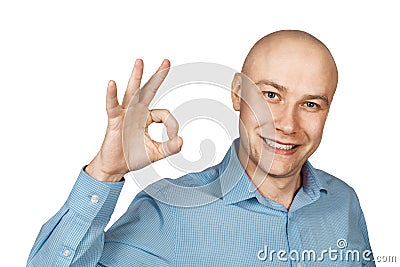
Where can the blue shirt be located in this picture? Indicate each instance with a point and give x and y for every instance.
(324, 226)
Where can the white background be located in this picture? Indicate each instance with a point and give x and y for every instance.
(56, 60)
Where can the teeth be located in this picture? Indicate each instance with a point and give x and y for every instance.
(279, 146)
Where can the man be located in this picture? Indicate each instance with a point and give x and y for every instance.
(297, 216)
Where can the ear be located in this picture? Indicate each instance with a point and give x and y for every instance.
(236, 88)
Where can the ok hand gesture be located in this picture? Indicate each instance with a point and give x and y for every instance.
(127, 145)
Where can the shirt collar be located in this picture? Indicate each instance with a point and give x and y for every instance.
(236, 185)
(312, 184)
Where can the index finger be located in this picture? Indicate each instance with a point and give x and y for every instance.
(149, 90)
(165, 117)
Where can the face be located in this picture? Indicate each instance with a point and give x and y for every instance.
(297, 82)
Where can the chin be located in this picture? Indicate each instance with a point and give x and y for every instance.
(281, 170)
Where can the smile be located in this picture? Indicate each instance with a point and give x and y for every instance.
(276, 145)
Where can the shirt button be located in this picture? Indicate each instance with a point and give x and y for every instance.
(94, 199)
(66, 253)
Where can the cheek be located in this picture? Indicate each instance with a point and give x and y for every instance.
(254, 109)
(257, 117)
(247, 117)
(313, 126)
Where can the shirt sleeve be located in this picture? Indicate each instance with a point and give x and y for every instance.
(368, 257)
(77, 230)
(74, 236)
(144, 236)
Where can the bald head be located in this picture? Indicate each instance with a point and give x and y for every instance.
(296, 76)
(291, 45)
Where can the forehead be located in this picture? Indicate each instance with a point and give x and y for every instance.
(301, 68)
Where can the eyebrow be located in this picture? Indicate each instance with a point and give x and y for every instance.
(282, 88)
(321, 97)
(279, 87)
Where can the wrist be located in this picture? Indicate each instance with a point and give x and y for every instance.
(95, 170)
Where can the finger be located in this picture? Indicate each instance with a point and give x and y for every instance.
(165, 117)
(172, 146)
(111, 98)
(150, 88)
(133, 83)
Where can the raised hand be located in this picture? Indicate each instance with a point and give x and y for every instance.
(131, 136)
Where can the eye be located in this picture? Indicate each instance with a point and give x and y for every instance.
(271, 95)
(312, 105)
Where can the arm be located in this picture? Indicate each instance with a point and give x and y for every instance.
(369, 261)
(78, 226)
(143, 236)
(366, 255)
(76, 233)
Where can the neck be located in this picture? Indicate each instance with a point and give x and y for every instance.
(279, 189)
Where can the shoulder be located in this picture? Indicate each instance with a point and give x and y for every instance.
(193, 179)
(336, 187)
(192, 189)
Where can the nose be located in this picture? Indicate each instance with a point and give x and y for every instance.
(286, 120)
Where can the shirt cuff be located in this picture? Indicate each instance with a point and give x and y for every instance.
(91, 198)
